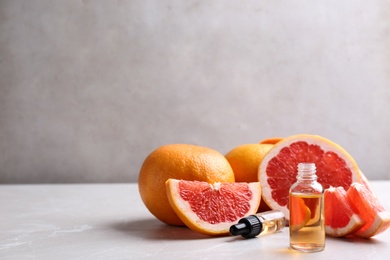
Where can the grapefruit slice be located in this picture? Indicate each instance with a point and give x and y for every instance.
(212, 208)
(376, 218)
(278, 169)
(340, 218)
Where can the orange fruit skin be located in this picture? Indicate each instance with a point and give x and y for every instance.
(178, 161)
(271, 140)
(245, 160)
(225, 207)
(277, 188)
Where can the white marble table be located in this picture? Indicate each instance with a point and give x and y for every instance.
(109, 221)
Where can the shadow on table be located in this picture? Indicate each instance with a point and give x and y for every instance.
(155, 230)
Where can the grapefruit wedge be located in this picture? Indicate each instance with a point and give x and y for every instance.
(364, 180)
(299, 218)
(376, 218)
(211, 209)
(340, 219)
(278, 169)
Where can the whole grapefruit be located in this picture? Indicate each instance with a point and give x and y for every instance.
(245, 160)
(183, 162)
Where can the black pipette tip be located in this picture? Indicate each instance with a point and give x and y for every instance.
(247, 227)
(239, 229)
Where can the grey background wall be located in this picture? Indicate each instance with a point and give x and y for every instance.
(90, 88)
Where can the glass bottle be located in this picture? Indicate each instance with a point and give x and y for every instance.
(261, 223)
(306, 205)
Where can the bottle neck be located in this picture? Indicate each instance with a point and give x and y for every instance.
(306, 172)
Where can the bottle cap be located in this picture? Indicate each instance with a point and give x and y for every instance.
(247, 227)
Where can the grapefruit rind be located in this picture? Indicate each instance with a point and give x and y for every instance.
(354, 224)
(380, 224)
(271, 140)
(325, 144)
(183, 209)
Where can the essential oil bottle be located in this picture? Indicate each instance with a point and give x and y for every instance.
(261, 223)
(306, 205)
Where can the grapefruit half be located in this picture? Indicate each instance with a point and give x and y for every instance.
(278, 169)
(340, 219)
(212, 208)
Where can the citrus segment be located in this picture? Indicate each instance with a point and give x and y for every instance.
(376, 218)
(278, 169)
(366, 183)
(340, 219)
(301, 215)
(313, 203)
(212, 208)
(179, 161)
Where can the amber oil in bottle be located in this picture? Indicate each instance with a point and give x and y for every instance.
(306, 205)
